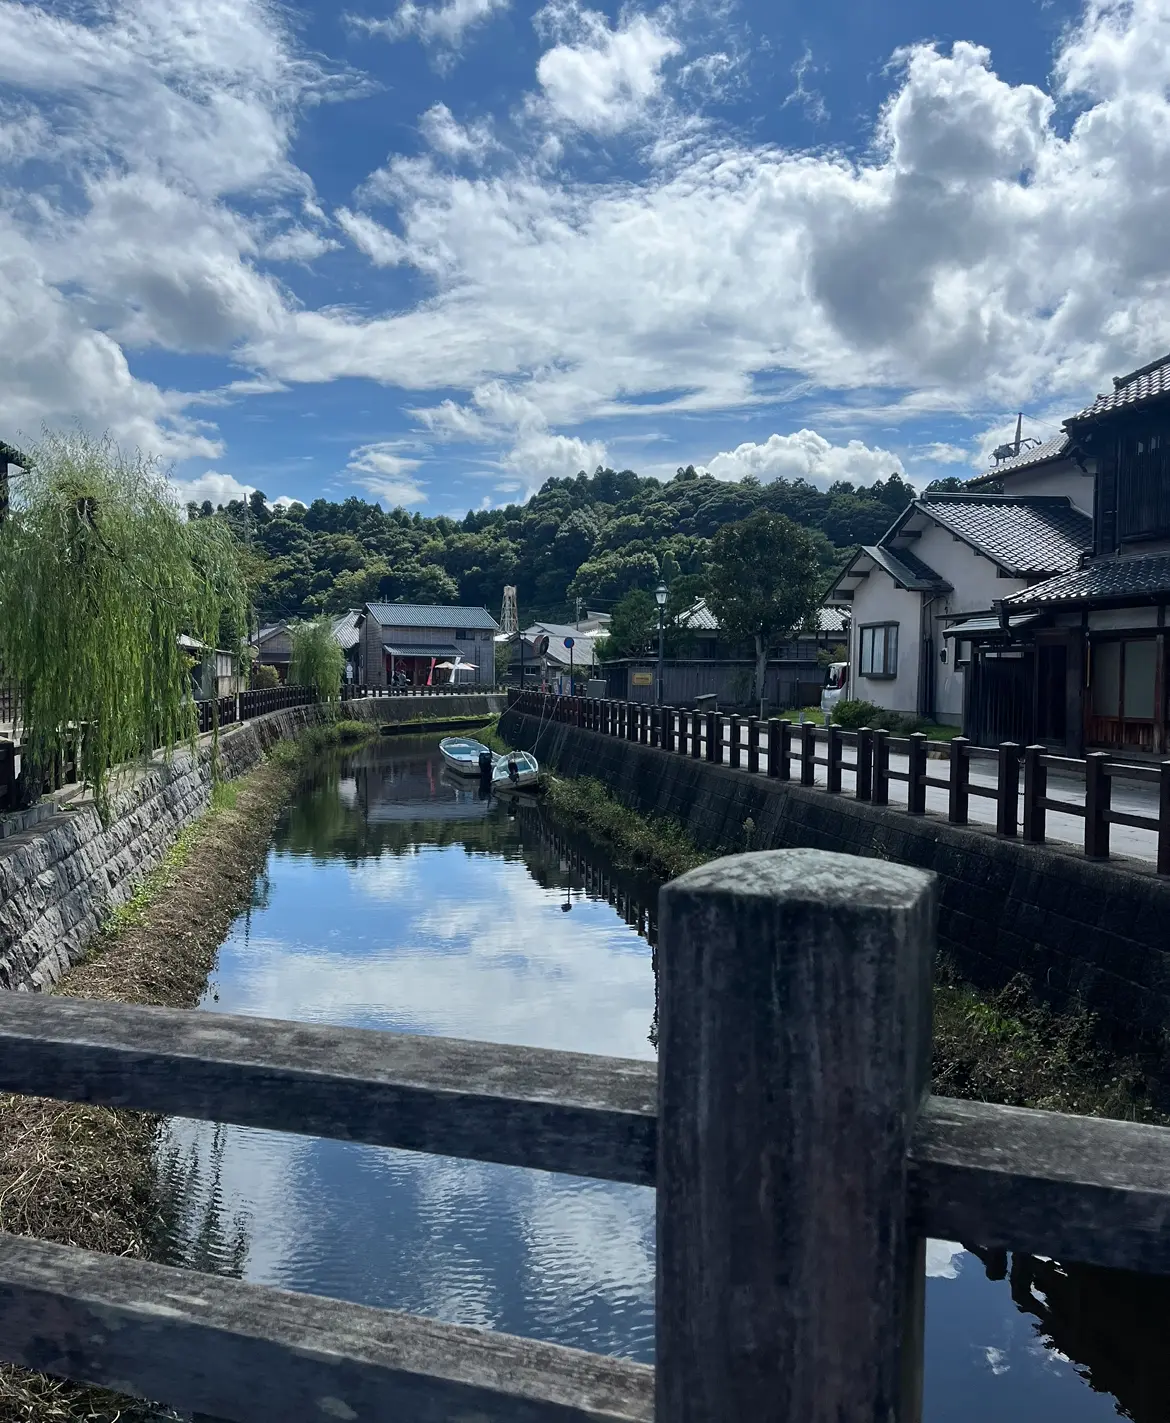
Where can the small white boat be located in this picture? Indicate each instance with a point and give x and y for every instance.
(516, 769)
(461, 754)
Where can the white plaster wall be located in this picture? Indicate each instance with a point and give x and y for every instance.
(976, 585)
(1055, 480)
(880, 600)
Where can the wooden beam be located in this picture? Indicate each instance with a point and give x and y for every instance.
(568, 1112)
(248, 1353)
(1074, 1188)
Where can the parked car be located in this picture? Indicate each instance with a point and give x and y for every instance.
(836, 688)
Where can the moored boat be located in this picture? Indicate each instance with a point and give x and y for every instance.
(516, 769)
(461, 754)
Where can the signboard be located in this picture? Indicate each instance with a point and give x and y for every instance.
(540, 645)
(569, 642)
(643, 679)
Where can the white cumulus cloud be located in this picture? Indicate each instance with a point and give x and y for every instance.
(444, 23)
(604, 80)
(446, 135)
(806, 455)
(386, 474)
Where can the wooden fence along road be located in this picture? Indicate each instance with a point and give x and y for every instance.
(1023, 791)
(799, 1160)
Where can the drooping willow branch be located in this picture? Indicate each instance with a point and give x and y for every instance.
(99, 576)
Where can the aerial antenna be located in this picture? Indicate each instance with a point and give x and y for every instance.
(510, 617)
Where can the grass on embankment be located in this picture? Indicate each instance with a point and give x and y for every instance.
(994, 1047)
(82, 1175)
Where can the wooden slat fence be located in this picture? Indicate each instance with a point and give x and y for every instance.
(774, 748)
(799, 1159)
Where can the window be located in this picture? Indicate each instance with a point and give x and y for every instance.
(462, 635)
(879, 650)
(1124, 679)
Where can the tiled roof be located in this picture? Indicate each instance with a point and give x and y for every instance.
(9, 454)
(831, 619)
(1150, 382)
(1027, 536)
(1054, 449)
(907, 569)
(700, 618)
(431, 615)
(1109, 578)
(345, 630)
(581, 651)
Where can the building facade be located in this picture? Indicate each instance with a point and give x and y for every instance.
(424, 644)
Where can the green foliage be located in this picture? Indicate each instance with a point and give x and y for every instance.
(99, 576)
(633, 628)
(763, 581)
(317, 659)
(265, 678)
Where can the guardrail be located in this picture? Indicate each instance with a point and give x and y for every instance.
(356, 690)
(799, 1161)
(775, 746)
(246, 705)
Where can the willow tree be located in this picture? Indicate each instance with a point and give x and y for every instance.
(99, 577)
(317, 659)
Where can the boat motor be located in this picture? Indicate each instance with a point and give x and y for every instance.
(486, 763)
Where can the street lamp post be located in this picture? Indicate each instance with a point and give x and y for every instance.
(660, 599)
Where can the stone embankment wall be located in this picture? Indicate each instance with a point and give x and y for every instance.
(1083, 932)
(60, 879)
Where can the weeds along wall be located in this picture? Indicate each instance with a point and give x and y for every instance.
(60, 879)
(1083, 933)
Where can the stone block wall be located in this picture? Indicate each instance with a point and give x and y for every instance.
(1083, 932)
(61, 878)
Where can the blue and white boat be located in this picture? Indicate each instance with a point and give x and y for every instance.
(516, 769)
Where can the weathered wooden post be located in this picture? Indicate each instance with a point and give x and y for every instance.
(1098, 795)
(696, 735)
(916, 765)
(668, 728)
(1164, 819)
(808, 754)
(753, 744)
(863, 787)
(1035, 789)
(1008, 799)
(958, 794)
(683, 725)
(788, 1289)
(784, 769)
(711, 743)
(733, 742)
(774, 748)
(881, 767)
(634, 719)
(833, 756)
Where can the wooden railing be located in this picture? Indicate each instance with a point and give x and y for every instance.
(246, 705)
(799, 1160)
(358, 690)
(779, 748)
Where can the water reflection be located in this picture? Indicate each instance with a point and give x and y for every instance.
(394, 897)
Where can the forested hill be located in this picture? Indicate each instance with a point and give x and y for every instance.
(592, 537)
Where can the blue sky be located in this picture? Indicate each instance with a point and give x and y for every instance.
(434, 251)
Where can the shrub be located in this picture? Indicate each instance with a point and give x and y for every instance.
(852, 715)
(264, 678)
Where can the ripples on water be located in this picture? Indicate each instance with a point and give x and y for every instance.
(394, 898)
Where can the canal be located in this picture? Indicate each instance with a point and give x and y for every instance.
(395, 898)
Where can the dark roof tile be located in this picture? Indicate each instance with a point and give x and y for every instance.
(431, 615)
(1108, 578)
(1054, 449)
(1025, 536)
(1150, 382)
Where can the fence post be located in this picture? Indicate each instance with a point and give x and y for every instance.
(683, 730)
(784, 769)
(788, 1287)
(774, 748)
(715, 751)
(833, 756)
(733, 741)
(1164, 819)
(863, 789)
(808, 752)
(696, 735)
(916, 765)
(753, 743)
(1035, 789)
(633, 721)
(1098, 794)
(881, 767)
(1008, 800)
(668, 728)
(711, 736)
(958, 797)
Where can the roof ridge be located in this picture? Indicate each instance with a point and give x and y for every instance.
(1120, 382)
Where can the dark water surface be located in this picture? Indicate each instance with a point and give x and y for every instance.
(394, 898)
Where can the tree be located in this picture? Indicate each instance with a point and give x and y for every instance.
(762, 583)
(632, 627)
(99, 577)
(317, 659)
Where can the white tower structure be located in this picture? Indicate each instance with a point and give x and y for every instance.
(510, 617)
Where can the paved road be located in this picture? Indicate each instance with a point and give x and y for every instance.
(1135, 797)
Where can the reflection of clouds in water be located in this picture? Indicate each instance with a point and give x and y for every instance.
(469, 948)
(996, 1360)
(942, 1259)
